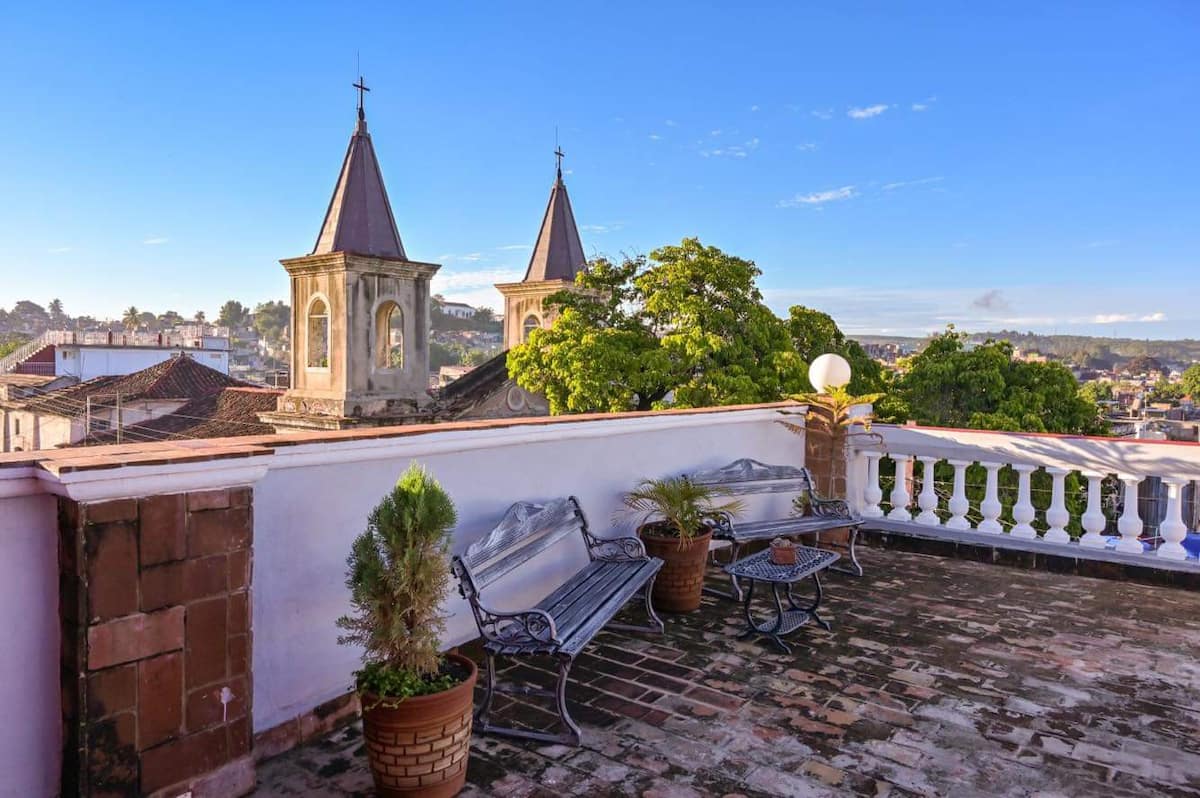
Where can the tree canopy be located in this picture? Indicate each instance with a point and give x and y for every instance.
(685, 327)
(949, 385)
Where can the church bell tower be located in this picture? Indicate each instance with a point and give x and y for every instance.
(557, 258)
(360, 310)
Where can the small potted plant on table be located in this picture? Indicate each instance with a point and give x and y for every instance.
(676, 527)
(416, 702)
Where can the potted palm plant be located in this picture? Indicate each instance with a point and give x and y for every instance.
(415, 700)
(676, 527)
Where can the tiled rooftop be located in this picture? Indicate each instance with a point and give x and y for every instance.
(941, 677)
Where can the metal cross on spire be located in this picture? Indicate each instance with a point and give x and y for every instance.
(362, 87)
(559, 155)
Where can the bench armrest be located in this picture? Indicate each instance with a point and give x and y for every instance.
(527, 627)
(829, 508)
(622, 549)
(721, 522)
(524, 628)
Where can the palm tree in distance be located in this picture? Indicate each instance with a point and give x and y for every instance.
(132, 318)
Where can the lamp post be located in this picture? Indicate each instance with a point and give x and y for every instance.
(829, 373)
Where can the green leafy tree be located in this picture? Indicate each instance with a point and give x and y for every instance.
(1096, 391)
(271, 320)
(1166, 392)
(485, 315)
(685, 327)
(949, 385)
(58, 319)
(169, 320)
(1190, 381)
(233, 314)
(443, 355)
(199, 317)
(28, 317)
(131, 318)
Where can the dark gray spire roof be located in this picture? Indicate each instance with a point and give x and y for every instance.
(359, 218)
(558, 253)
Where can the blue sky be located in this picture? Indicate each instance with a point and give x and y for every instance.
(992, 165)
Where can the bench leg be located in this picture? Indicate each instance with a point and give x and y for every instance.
(656, 624)
(855, 569)
(485, 726)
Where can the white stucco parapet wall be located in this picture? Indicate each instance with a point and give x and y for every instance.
(312, 495)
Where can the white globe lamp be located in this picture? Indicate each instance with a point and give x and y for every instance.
(829, 371)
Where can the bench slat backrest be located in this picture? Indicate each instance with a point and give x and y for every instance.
(526, 530)
(746, 476)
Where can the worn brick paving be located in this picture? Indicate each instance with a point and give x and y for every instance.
(941, 677)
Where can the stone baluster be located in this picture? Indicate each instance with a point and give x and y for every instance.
(1130, 523)
(872, 493)
(928, 500)
(1023, 510)
(1093, 519)
(1172, 529)
(1057, 516)
(959, 505)
(990, 507)
(900, 495)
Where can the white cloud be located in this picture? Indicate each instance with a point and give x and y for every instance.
(818, 198)
(470, 257)
(868, 112)
(670, 123)
(924, 104)
(806, 146)
(754, 108)
(515, 246)
(732, 150)
(655, 137)
(444, 282)
(901, 184)
(1115, 318)
(716, 132)
(611, 227)
(1107, 242)
(823, 113)
(155, 240)
(59, 250)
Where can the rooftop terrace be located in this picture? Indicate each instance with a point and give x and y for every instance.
(940, 677)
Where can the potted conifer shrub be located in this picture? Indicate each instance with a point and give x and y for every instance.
(676, 527)
(415, 700)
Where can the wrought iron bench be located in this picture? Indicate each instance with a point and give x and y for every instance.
(744, 477)
(562, 623)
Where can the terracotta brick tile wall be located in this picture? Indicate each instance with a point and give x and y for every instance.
(155, 597)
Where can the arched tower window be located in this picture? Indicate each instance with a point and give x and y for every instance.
(389, 337)
(531, 323)
(318, 334)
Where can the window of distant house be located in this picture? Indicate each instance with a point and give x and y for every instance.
(531, 324)
(318, 334)
(389, 337)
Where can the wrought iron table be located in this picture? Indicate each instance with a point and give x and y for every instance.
(759, 568)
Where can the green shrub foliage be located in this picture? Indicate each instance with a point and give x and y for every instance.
(398, 574)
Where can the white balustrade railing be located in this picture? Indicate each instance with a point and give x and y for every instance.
(1126, 465)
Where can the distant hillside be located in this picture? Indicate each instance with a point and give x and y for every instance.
(1095, 352)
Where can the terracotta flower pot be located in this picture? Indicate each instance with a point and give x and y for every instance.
(419, 746)
(678, 585)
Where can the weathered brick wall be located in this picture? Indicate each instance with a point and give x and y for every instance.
(155, 599)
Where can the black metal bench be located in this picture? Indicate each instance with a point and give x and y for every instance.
(744, 477)
(562, 623)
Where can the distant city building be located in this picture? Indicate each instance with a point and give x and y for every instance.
(45, 417)
(459, 310)
(88, 355)
(448, 374)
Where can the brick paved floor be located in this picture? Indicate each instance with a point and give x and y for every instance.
(941, 677)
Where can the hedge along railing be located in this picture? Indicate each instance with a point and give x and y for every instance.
(991, 483)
